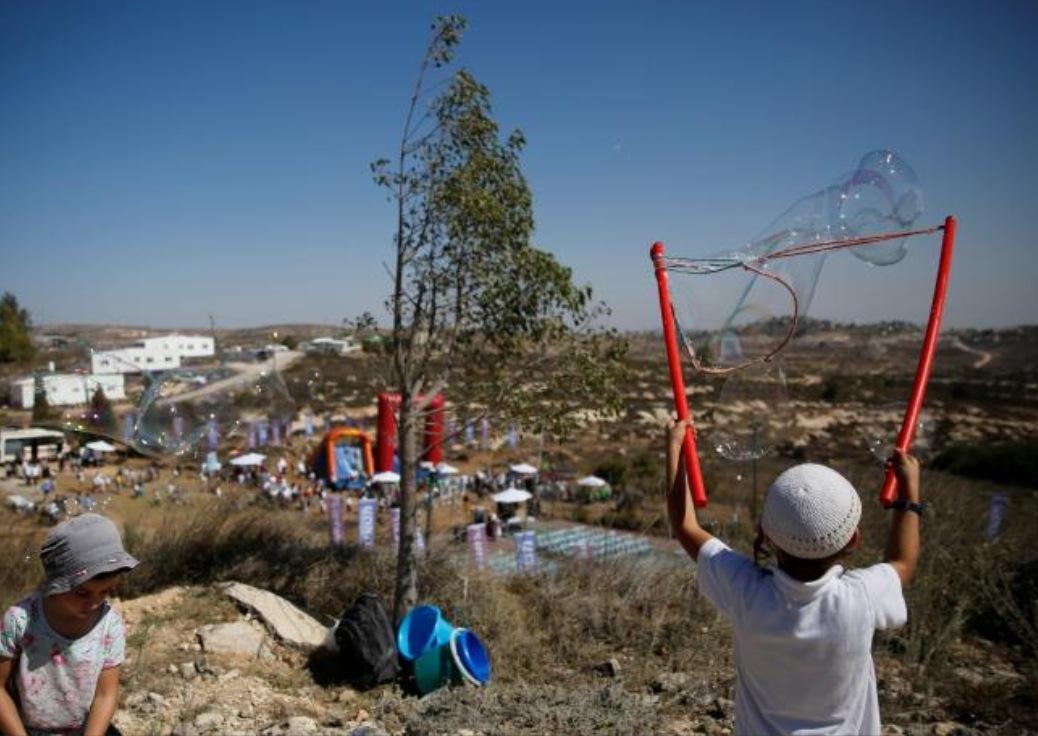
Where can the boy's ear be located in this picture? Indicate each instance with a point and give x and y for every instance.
(853, 543)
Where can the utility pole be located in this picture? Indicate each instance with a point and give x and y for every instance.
(212, 331)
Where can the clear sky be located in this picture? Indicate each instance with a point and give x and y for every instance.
(162, 161)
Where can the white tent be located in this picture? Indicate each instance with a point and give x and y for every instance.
(252, 458)
(523, 469)
(445, 469)
(100, 446)
(512, 495)
(591, 481)
(386, 476)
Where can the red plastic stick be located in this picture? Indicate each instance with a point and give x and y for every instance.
(677, 378)
(888, 494)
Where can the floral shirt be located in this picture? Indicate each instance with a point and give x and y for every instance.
(55, 676)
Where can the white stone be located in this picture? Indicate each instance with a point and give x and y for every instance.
(289, 623)
(300, 726)
(209, 720)
(234, 638)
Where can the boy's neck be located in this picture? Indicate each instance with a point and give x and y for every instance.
(804, 570)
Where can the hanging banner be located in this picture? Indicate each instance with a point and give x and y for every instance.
(261, 434)
(334, 502)
(275, 431)
(178, 427)
(394, 523)
(128, 423)
(526, 551)
(309, 420)
(470, 434)
(999, 501)
(251, 441)
(476, 534)
(212, 435)
(513, 437)
(484, 436)
(366, 510)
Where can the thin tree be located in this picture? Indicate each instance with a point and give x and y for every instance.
(476, 309)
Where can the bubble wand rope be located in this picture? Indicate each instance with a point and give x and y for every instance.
(677, 378)
(888, 493)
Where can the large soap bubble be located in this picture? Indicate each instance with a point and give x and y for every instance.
(180, 412)
(756, 294)
(751, 417)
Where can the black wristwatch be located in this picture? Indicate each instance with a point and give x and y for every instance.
(902, 505)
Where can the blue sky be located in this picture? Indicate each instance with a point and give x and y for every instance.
(164, 161)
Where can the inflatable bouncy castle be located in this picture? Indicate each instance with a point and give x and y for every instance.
(343, 458)
(431, 439)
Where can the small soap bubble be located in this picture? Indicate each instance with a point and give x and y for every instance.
(880, 428)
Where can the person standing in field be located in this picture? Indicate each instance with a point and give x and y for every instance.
(804, 628)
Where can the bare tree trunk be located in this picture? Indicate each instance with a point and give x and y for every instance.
(406, 591)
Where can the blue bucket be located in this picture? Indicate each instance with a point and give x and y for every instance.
(424, 628)
(471, 661)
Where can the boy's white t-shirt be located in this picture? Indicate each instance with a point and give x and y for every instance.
(803, 651)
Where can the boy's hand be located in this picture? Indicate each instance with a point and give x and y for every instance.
(906, 467)
(676, 431)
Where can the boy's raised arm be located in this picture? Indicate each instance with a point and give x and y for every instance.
(680, 510)
(903, 544)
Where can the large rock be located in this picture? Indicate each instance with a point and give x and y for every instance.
(289, 623)
(234, 638)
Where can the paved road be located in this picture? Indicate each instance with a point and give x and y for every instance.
(244, 373)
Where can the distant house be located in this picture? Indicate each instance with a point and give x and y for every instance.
(65, 389)
(152, 354)
(334, 345)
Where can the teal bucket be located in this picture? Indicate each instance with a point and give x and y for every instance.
(433, 669)
(423, 629)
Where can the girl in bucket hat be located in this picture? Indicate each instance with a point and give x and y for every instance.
(61, 647)
(803, 629)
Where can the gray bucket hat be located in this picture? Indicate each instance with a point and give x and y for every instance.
(80, 549)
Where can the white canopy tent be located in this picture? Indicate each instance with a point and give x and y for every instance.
(100, 446)
(252, 458)
(445, 469)
(386, 476)
(512, 495)
(591, 481)
(523, 469)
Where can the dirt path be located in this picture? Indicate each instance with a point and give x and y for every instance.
(984, 356)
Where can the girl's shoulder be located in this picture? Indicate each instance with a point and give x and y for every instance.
(17, 620)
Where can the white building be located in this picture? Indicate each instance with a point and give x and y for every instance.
(152, 354)
(338, 346)
(64, 389)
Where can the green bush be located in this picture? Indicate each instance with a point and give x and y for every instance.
(1010, 463)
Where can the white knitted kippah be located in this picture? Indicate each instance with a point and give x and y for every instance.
(811, 511)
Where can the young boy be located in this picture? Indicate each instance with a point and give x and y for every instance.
(61, 647)
(803, 630)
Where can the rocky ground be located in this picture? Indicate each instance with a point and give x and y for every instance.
(176, 682)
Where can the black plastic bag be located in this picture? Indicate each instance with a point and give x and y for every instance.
(367, 645)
